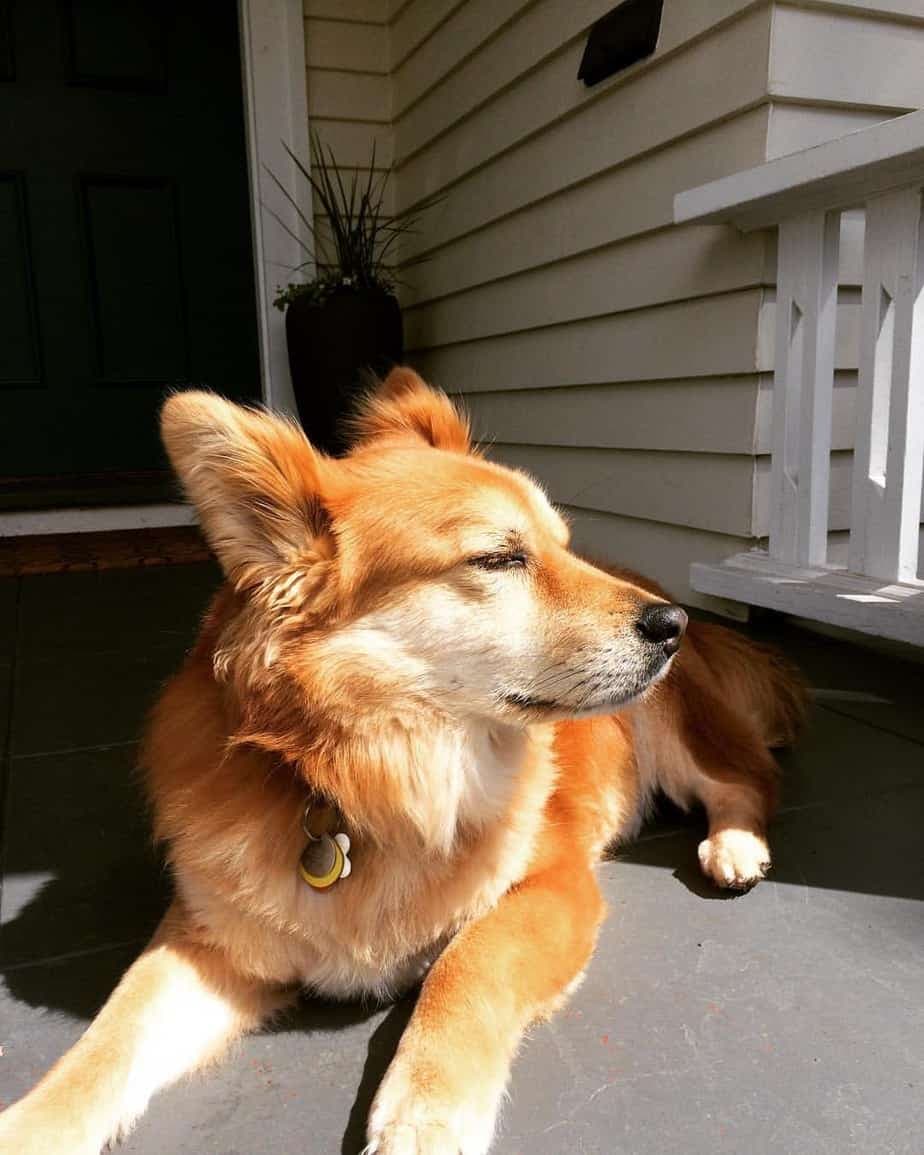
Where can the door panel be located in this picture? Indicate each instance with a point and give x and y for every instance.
(20, 361)
(125, 246)
(116, 44)
(136, 305)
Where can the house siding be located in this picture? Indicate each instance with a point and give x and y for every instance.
(349, 86)
(553, 270)
(622, 361)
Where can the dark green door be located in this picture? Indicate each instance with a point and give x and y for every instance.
(125, 245)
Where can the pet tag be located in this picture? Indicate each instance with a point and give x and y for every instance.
(326, 857)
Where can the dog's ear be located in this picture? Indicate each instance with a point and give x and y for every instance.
(404, 407)
(254, 480)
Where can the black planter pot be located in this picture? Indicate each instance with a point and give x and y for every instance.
(331, 347)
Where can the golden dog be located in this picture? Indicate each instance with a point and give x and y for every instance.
(394, 754)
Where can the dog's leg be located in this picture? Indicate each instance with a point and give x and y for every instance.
(735, 853)
(727, 702)
(734, 774)
(177, 1006)
(441, 1093)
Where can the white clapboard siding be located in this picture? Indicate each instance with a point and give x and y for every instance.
(466, 27)
(907, 10)
(356, 96)
(796, 126)
(700, 490)
(839, 507)
(626, 361)
(713, 336)
(705, 415)
(346, 46)
(545, 40)
(652, 270)
(351, 141)
(416, 23)
(349, 90)
(832, 57)
(847, 337)
(695, 416)
(542, 40)
(843, 415)
(622, 203)
(712, 79)
(356, 11)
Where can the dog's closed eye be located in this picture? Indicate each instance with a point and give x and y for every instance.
(504, 559)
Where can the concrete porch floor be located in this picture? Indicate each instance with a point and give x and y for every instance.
(790, 1019)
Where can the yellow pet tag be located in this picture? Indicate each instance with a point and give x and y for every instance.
(326, 858)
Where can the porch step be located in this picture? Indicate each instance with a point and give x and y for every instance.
(120, 549)
(888, 610)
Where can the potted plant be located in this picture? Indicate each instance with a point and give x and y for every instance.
(345, 322)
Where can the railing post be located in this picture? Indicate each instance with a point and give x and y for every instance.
(889, 448)
(803, 383)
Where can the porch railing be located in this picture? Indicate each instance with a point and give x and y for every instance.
(881, 170)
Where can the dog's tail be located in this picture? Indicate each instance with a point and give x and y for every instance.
(754, 678)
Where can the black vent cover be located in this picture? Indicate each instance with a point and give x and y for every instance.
(620, 38)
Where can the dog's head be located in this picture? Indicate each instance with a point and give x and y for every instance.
(412, 569)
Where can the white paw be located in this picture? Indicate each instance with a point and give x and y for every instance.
(414, 1139)
(403, 1122)
(734, 858)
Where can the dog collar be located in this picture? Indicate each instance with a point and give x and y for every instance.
(326, 858)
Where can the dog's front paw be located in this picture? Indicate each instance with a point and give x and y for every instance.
(734, 859)
(414, 1139)
(411, 1116)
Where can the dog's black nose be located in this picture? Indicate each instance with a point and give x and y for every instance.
(663, 625)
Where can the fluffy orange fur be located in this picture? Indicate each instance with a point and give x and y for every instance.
(405, 634)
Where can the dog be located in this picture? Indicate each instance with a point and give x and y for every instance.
(412, 721)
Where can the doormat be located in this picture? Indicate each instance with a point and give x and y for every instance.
(119, 549)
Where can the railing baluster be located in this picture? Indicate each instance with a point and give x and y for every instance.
(889, 447)
(803, 382)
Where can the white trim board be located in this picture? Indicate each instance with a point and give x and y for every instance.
(275, 111)
(30, 523)
(837, 174)
(886, 610)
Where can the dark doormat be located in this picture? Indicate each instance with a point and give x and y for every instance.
(121, 549)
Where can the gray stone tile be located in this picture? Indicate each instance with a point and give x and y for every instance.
(786, 1020)
(79, 868)
(840, 757)
(305, 1085)
(837, 758)
(115, 610)
(76, 700)
(856, 681)
(45, 1008)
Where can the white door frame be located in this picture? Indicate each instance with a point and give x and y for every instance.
(275, 110)
(272, 36)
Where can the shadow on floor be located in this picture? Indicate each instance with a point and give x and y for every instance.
(871, 846)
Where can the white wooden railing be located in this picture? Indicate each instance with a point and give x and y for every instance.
(881, 170)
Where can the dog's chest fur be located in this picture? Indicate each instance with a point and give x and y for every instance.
(378, 930)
